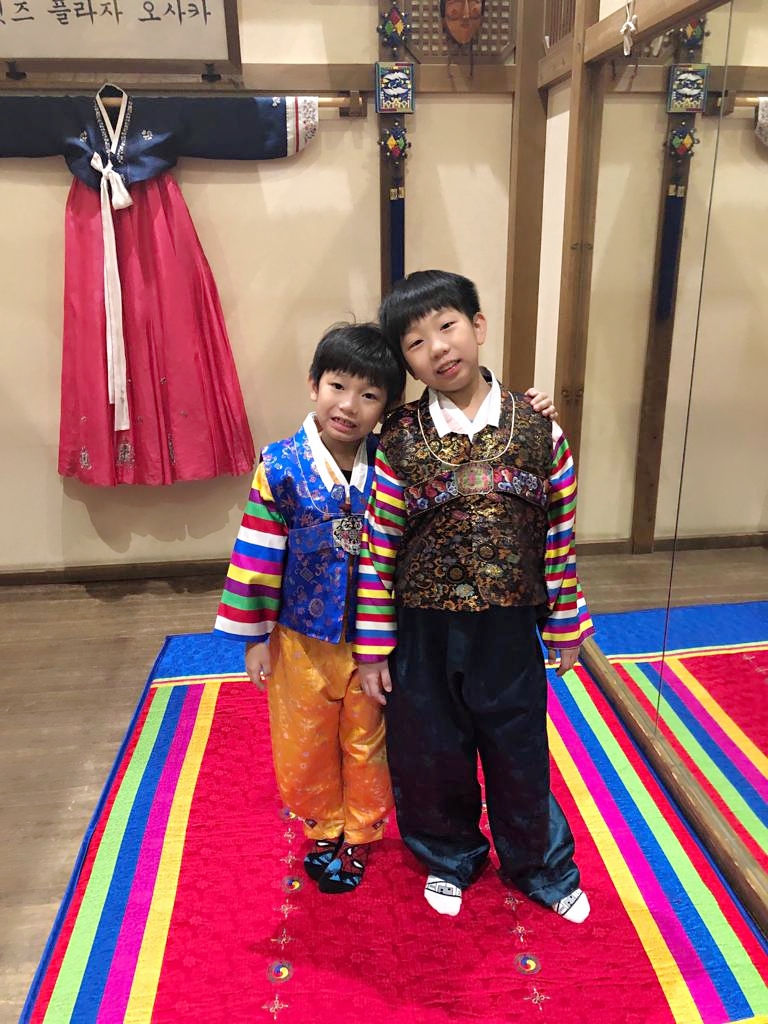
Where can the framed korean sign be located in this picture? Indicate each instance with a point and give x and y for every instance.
(180, 36)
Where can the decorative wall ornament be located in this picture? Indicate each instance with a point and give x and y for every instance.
(688, 38)
(394, 143)
(394, 88)
(687, 88)
(462, 18)
(693, 33)
(394, 28)
(492, 43)
(682, 139)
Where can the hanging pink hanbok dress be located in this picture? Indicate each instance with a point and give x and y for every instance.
(149, 389)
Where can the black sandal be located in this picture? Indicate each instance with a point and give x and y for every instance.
(320, 855)
(345, 871)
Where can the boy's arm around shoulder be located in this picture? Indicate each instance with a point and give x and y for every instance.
(569, 622)
(542, 403)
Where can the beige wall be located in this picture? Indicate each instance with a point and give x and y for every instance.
(458, 198)
(689, 290)
(631, 158)
(294, 246)
(725, 483)
(609, 6)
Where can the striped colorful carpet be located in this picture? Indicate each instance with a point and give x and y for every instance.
(188, 902)
(707, 680)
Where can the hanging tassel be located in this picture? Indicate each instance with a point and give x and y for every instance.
(397, 231)
(394, 145)
(671, 237)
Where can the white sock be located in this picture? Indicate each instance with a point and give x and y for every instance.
(442, 896)
(574, 907)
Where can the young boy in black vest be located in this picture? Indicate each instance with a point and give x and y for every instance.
(467, 551)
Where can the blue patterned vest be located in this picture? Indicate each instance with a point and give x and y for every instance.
(320, 570)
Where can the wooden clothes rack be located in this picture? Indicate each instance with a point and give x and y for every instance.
(730, 102)
(746, 101)
(355, 103)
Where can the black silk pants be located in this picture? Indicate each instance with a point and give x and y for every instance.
(463, 684)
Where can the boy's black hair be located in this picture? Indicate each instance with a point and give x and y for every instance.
(360, 350)
(421, 293)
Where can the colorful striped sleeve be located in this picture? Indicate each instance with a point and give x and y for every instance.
(375, 622)
(251, 599)
(569, 623)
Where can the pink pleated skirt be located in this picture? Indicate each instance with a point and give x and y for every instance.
(187, 416)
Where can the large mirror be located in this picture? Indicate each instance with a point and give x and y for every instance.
(673, 477)
(713, 698)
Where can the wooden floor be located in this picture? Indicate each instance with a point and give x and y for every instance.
(75, 660)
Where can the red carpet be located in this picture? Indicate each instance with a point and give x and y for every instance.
(189, 903)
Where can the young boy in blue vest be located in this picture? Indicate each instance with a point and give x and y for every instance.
(468, 549)
(290, 598)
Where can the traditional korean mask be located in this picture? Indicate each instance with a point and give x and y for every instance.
(461, 18)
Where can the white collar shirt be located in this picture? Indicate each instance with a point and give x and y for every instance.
(449, 419)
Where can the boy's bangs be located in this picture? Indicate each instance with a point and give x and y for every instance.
(422, 293)
(360, 351)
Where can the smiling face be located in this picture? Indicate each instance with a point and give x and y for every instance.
(347, 408)
(442, 350)
(462, 19)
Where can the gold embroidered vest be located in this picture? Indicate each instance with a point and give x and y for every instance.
(476, 512)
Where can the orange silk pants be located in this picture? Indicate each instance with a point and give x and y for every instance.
(327, 739)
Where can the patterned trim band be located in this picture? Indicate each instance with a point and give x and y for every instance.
(476, 478)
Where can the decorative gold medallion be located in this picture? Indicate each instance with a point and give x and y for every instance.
(474, 478)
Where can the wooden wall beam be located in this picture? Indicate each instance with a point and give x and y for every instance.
(556, 65)
(579, 227)
(461, 78)
(603, 39)
(484, 79)
(526, 198)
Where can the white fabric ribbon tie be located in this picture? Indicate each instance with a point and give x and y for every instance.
(111, 182)
(629, 27)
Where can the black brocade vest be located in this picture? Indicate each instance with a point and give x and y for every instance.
(476, 512)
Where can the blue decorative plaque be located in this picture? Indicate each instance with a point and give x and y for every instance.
(687, 88)
(394, 88)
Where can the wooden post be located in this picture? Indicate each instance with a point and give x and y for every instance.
(526, 191)
(579, 227)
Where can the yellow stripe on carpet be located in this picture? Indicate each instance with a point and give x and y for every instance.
(667, 971)
(150, 960)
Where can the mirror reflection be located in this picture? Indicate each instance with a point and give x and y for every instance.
(673, 482)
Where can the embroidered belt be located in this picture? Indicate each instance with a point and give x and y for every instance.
(342, 533)
(476, 478)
